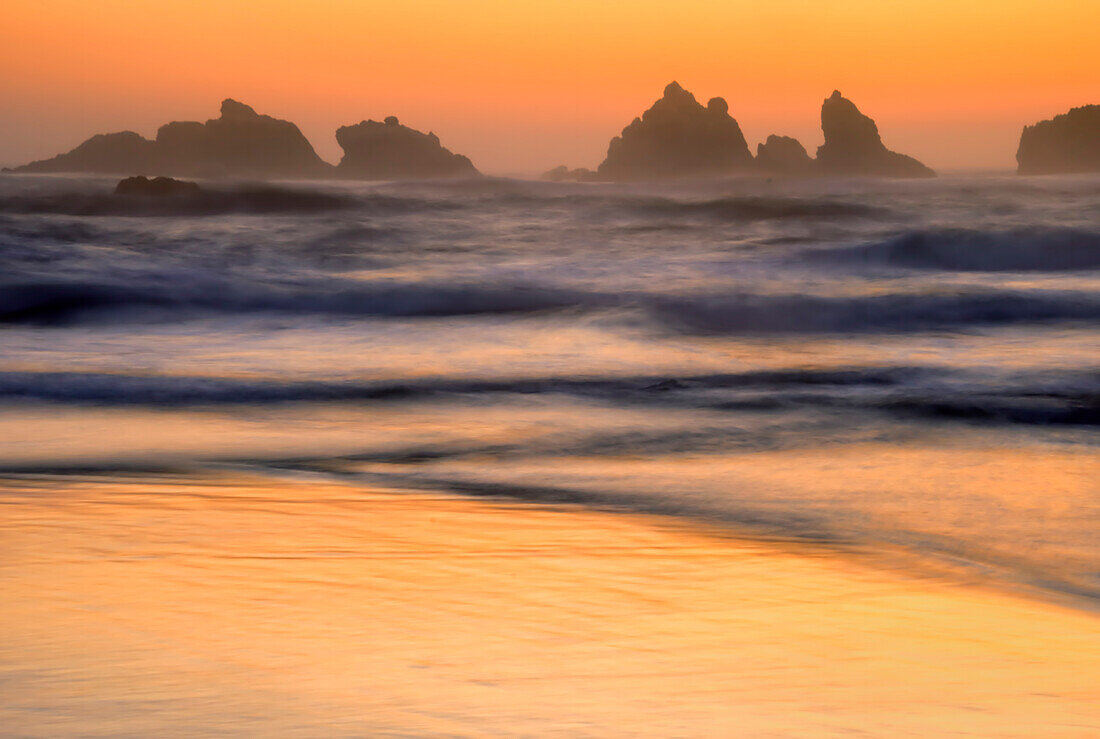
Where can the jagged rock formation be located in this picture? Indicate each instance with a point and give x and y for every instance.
(564, 174)
(783, 155)
(853, 145)
(241, 143)
(390, 151)
(105, 153)
(156, 187)
(1068, 143)
(678, 137)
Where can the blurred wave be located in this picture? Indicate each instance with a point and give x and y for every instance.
(254, 199)
(162, 297)
(899, 312)
(1064, 399)
(1020, 250)
(68, 303)
(677, 347)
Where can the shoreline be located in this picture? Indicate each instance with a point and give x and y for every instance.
(238, 605)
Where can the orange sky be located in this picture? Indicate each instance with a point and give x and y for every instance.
(522, 85)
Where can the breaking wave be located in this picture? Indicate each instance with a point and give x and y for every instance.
(742, 209)
(961, 250)
(759, 208)
(1072, 399)
(254, 200)
(897, 312)
(66, 303)
(183, 390)
(169, 296)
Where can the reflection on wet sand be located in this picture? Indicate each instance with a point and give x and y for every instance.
(225, 605)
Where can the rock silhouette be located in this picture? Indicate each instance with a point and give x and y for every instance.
(156, 187)
(389, 151)
(678, 137)
(564, 174)
(783, 155)
(105, 153)
(241, 143)
(1068, 143)
(853, 145)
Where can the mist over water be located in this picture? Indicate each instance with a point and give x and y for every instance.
(907, 365)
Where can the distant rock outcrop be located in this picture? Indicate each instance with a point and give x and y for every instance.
(241, 143)
(853, 145)
(105, 153)
(678, 137)
(391, 151)
(564, 174)
(156, 187)
(1068, 143)
(783, 155)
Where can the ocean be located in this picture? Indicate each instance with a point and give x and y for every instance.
(624, 346)
(892, 370)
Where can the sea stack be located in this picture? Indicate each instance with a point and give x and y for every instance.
(240, 143)
(157, 187)
(853, 145)
(562, 173)
(1068, 143)
(783, 155)
(391, 151)
(678, 137)
(104, 153)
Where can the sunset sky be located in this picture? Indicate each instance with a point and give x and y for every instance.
(521, 86)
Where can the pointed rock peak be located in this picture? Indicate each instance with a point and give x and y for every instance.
(678, 137)
(232, 109)
(677, 96)
(853, 145)
(838, 102)
(841, 118)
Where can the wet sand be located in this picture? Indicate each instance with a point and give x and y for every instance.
(250, 606)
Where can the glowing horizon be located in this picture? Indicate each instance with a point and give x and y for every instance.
(522, 87)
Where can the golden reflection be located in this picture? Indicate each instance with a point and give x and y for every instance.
(309, 608)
